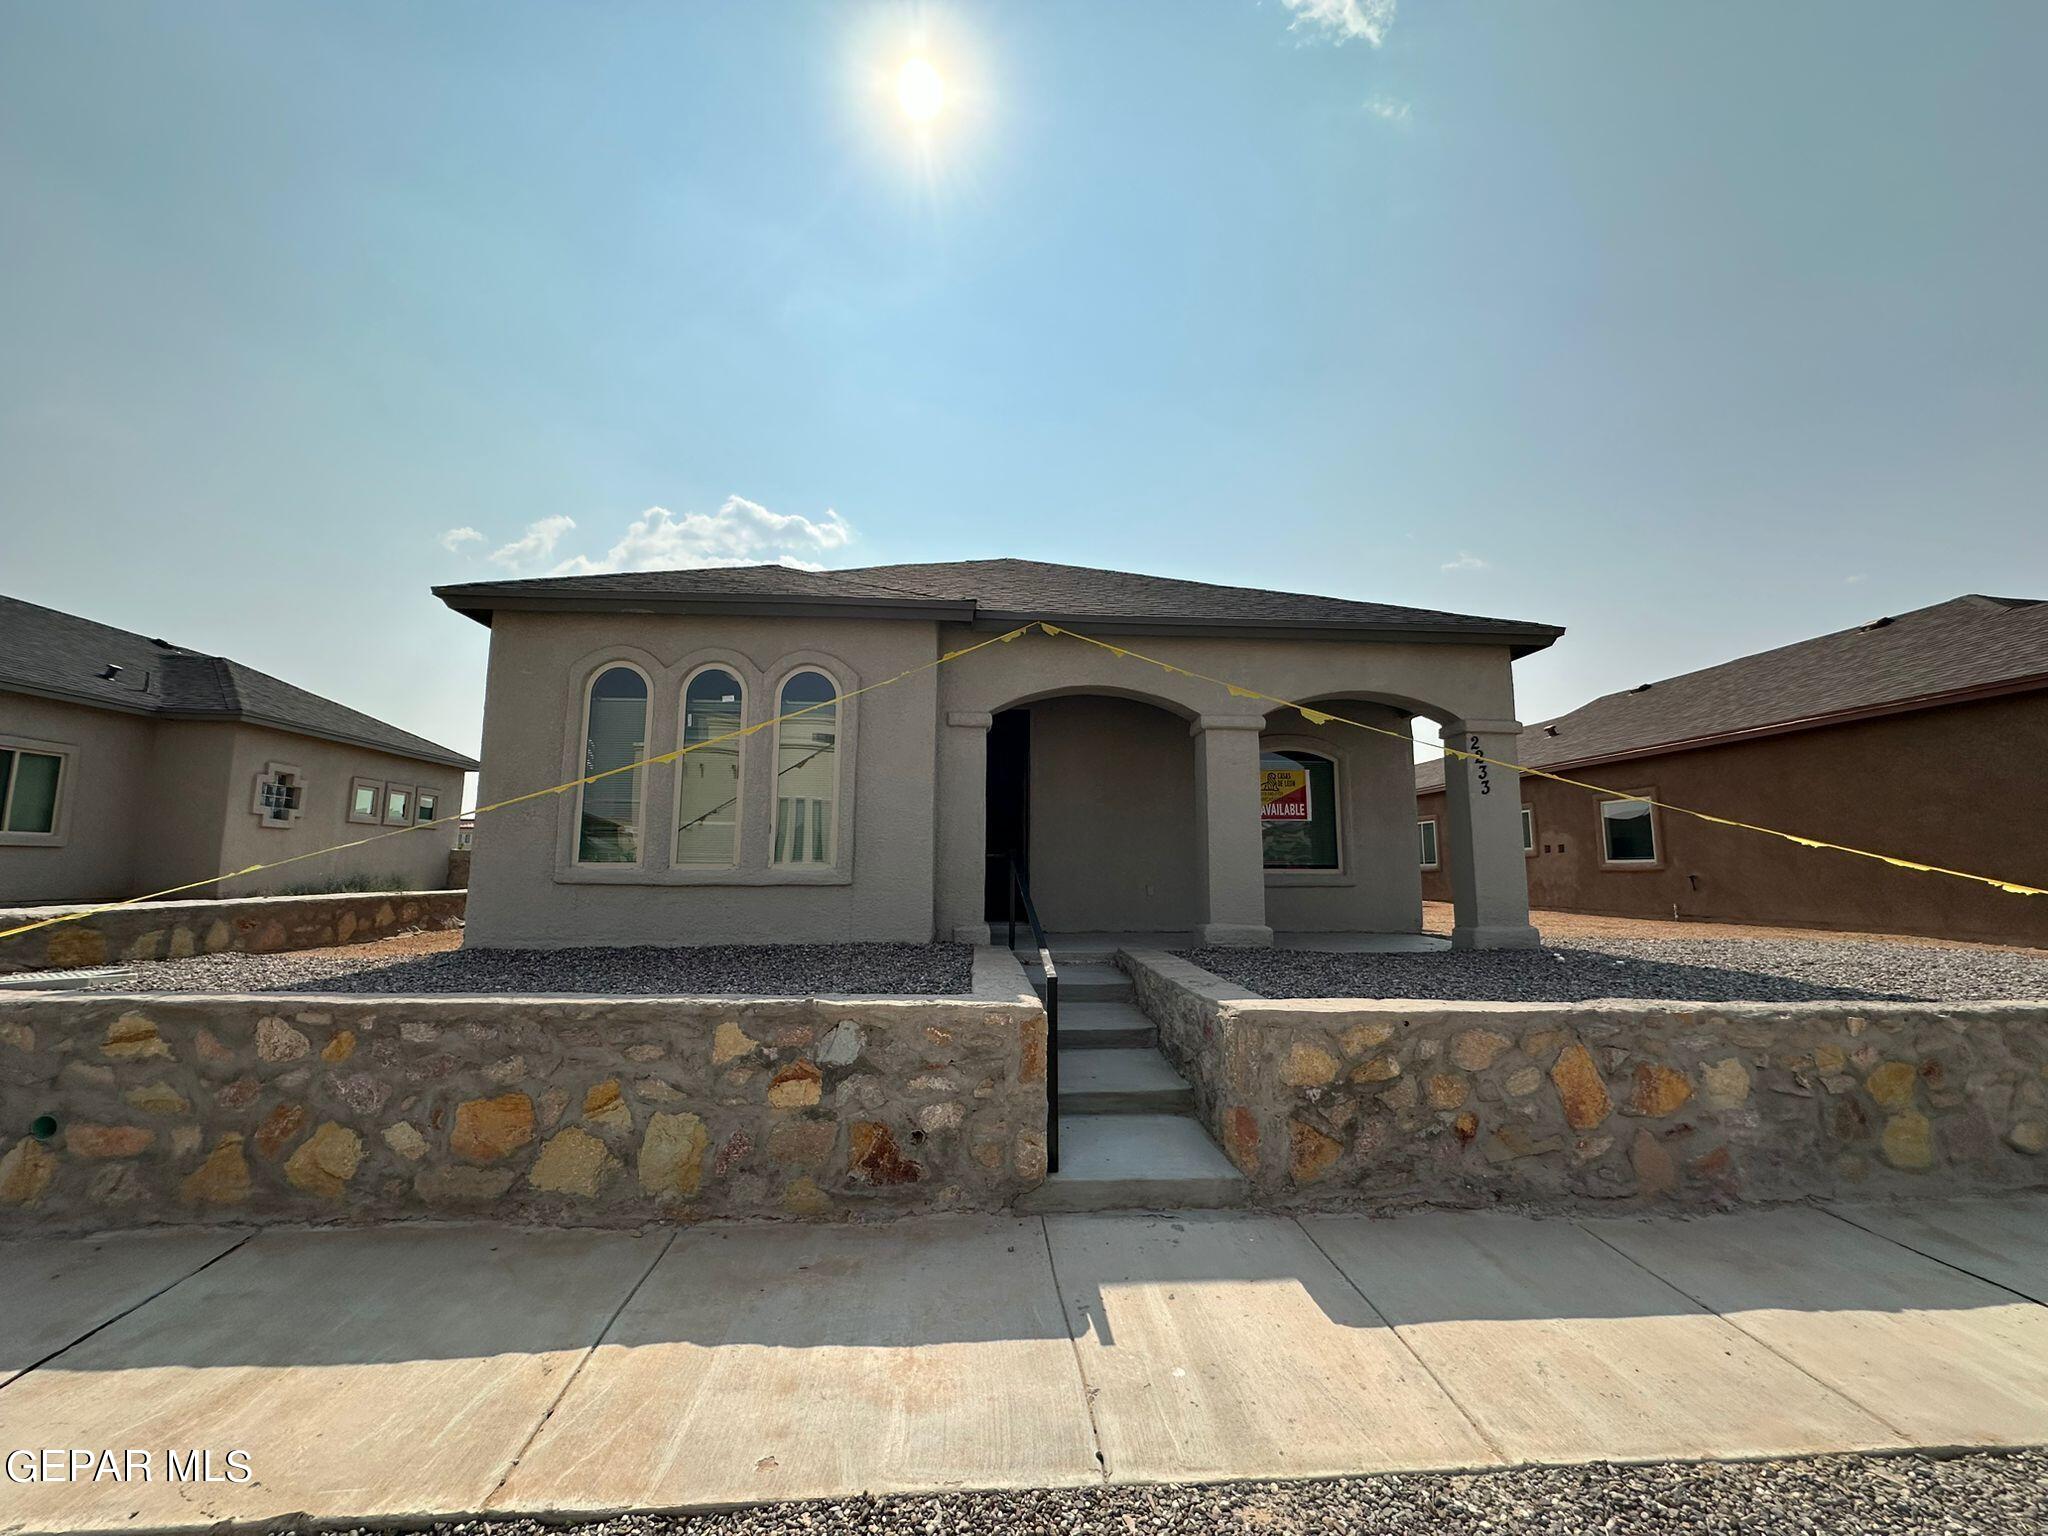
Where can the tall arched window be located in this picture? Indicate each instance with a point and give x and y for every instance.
(708, 772)
(807, 771)
(1298, 810)
(614, 734)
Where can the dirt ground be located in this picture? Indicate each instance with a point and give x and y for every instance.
(1561, 926)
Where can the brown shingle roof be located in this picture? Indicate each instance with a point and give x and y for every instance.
(995, 593)
(59, 655)
(1929, 655)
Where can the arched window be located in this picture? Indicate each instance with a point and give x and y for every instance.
(1298, 810)
(807, 771)
(614, 734)
(708, 772)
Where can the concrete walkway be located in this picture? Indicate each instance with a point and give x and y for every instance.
(432, 1373)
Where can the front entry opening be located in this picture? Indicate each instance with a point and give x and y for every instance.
(1009, 808)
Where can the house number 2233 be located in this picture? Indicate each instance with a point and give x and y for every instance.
(1485, 781)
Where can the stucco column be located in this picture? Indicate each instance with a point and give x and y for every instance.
(1232, 865)
(958, 884)
(1489, 873)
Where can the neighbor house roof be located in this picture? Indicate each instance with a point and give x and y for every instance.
(994, 594)
(1966, 648)
(62, 656)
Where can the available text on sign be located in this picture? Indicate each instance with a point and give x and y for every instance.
(1283, 794)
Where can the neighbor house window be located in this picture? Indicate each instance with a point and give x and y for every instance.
(708, 772)
(1298, 810)
(429, 808)
(397, 805)
(279, 795)
(366, 800)
(807, 771)
(1426, 832)
(28, 791)
(614, 737)
(1528, 830)
(1629, 830)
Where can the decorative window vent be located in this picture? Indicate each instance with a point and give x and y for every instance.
(280, 794)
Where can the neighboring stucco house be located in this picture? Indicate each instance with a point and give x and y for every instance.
(1921, 736)
(129, 765)
(1131, 798)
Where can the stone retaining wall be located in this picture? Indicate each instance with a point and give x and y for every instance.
(1666, 1103)
(171, 930)
(189, 1108)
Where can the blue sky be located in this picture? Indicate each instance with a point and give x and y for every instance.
(1693, 328)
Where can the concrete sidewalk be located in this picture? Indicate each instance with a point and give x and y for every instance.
(432, 1373)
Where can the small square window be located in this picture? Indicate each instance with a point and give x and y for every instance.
(366, 801)
(1426, 831)
(1629, 831)
(429, 807)
(30, 783)
(397, 805)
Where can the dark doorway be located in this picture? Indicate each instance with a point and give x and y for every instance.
(1009, 807)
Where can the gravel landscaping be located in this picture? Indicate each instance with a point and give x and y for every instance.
(762, 970)
(1829, 1496)
(1717, 970)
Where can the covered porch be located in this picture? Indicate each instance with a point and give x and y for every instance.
(1138, 804)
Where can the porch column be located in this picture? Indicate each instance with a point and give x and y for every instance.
(1489, 873)
(1232, 862)
(962, 809)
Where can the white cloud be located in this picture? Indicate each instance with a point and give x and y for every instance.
(534, 546)
(1343, 20)
(455, 538)
(1466, 561)
(1390, 109)
(740, 532)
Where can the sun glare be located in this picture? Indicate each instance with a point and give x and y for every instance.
(919, 90)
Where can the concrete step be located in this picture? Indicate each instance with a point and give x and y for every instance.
(1122, 1082)
(1136, 1162)
(1085, 982)
(1103, 1026)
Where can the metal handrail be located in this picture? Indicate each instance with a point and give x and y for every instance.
(1020, 893)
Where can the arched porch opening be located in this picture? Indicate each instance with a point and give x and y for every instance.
(1094, 796)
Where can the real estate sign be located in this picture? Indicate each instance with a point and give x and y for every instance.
(1283, 794)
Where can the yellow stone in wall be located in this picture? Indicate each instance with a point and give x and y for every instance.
(1308, 1066)
(1892, 1084)
(223, 1179)
(1579, 1088)
(326, 1161)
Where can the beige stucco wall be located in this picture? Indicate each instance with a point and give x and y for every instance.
(148, 804)
(417, 860)
(97, 806)
(1112, 817)
(525, 887)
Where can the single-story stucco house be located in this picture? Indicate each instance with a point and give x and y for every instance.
(1920, 734)
(1130, 797)
(129, 765)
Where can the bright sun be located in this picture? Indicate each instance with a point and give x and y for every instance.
(919, 90)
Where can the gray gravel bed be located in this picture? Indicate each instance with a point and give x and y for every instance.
(1993, 1495)
(898, 970)
(1693, 970)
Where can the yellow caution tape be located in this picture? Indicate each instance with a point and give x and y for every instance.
(1235, 690)
(1324, 717)
(532, 794)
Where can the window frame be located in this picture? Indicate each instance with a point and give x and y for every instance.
(411, 793)
(579, 748)
(274, 770)
(420, 794)
(831, 862)
(742, 756)
(1626, 797)
(375, 818)
(1436, 846)
(60, 807)
(1529, 830)
(1340, 873)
